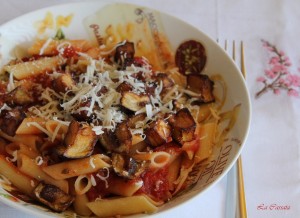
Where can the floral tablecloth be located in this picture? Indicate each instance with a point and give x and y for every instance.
(271, 156)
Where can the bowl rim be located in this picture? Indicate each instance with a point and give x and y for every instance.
(248, 119)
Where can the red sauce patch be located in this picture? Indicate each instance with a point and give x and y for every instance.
(69, 52)
(156, 184)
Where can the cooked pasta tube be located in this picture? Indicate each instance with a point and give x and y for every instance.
(157, 159)
(173, 172)
(186, 167)
(26, 127)
(50, 47)
(82, 184)
(56, 129)
(124, 206)
(30, 167)
(32, 68)
(124, 188)
(206, 134)
(30, 140)
(21, 148)
(77, 167)
(80, 206)
(23, 182)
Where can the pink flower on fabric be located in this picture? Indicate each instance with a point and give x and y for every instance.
(293, 92)
(278, 68)
(261, 79)
(274, 60)
(270, 74)
(277, 76)
(276, 91)
(293, 80)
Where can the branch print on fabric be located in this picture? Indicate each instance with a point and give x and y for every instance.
(277, 77)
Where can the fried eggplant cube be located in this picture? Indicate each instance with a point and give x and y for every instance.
(201, 84)
(133, 101)
(127, 166)
(19, 96)
(124, 55)
(124, 87)
(63, 83)
(11, 119)
(167, 82)
(183, 125)
(79, 141)
(124, 137)
(158, 133)
(108, 141)
(53, 197)
(134, 120)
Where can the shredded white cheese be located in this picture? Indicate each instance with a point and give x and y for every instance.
(37, 125)
(42, 50)
(104, 178)
(11, 84)
(93, 181)
(149, 110)
(4, 107)
(92, 163)
(39, 160)
(14, 156)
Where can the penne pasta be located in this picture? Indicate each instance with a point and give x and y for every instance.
(124, 187)
(23, 182)
(30, 167)
(31, 141)
(77, 167)
(173, 172)
(26, 127)
(27, 69)
(82, 184)
(21, 148)
(124, 206)
(206, 134)
(51, 47)
(56, 129)
(80, 205)
(157, 159)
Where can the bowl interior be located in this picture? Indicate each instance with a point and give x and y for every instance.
(20, 32)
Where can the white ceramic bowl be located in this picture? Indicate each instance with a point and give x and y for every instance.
(23, 30)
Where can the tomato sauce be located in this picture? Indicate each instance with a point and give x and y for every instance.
(155, 184)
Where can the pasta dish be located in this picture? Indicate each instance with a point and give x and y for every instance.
(101, 130)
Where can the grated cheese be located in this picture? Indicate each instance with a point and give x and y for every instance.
(42, 50)
(11, 84)
(39, 160)
(53, 137)
(93, 181)
(149, 111)
(14, 156)
(113, 49)
(4, 107)
(92, 163)
(103, 107)
(104, 178)
(37, 125)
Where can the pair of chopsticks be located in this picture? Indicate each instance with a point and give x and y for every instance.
(235, 176)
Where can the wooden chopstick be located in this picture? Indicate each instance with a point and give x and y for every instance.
(241, 188)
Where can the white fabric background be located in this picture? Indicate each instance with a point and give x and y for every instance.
(271, 156)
